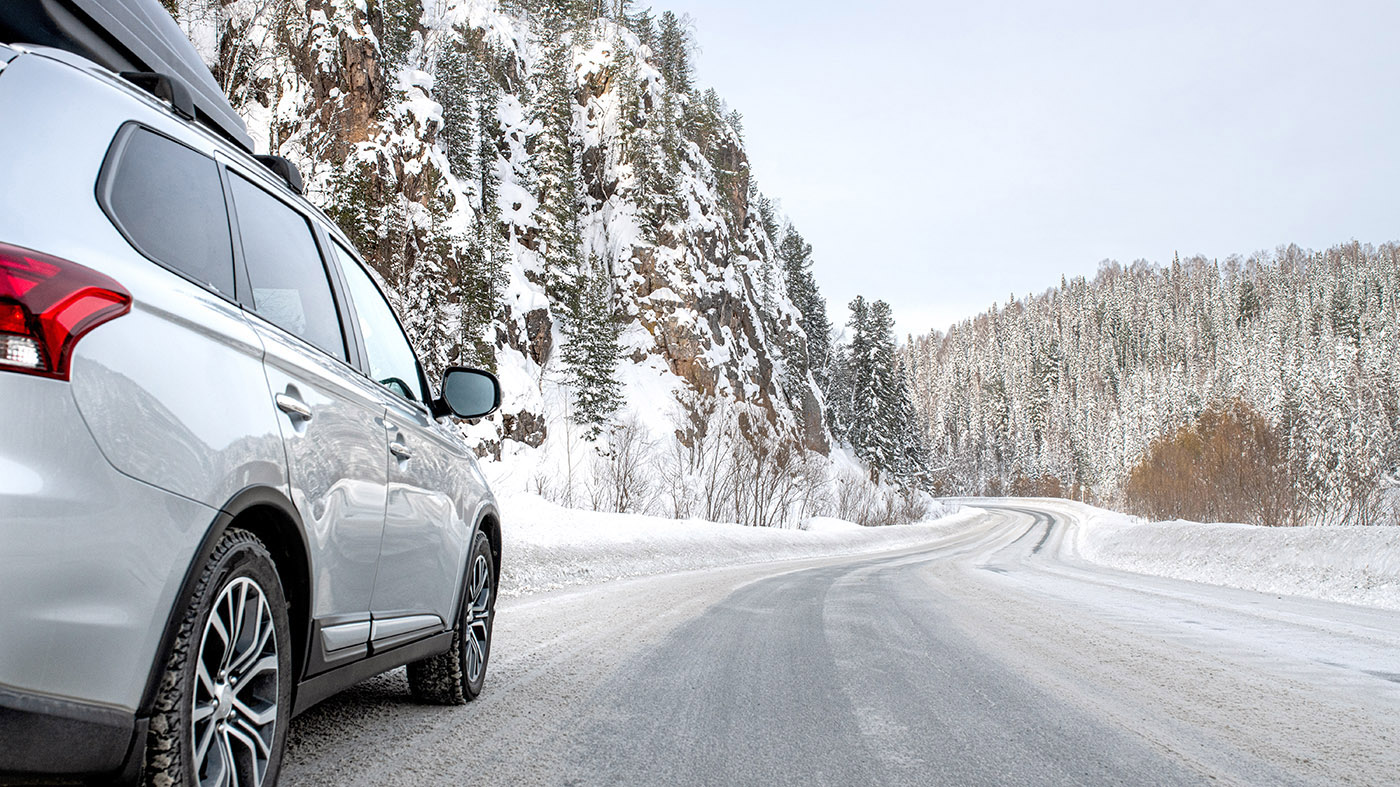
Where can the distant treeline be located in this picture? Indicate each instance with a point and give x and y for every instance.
(1264, 390)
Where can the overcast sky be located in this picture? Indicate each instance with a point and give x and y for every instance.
(943, 155)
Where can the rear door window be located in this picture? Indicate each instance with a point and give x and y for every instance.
(291, 288)
(166, 199)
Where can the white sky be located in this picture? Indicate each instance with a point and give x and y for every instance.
(943, 155)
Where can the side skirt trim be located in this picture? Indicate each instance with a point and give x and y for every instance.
(314, 690)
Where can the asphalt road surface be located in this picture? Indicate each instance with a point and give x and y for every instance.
(992, 656)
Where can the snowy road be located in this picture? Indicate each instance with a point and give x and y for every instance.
(990, 656)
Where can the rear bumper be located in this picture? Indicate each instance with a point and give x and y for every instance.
(48, 736)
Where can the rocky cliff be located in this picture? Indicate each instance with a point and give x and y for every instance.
(418, 128)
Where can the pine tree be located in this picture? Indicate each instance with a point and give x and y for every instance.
(568, 14)
(488, 138)
(767, 212)
(644, 25)
(430, 251)
(884, 392)
(674, 45)
(591, 354)
(400, 20)
(671, 144)
(860, 424)
(453, 87)
(911, 457)
(838, 395)
(653, 189)
(469, 139)
(618, 10)
(877, 415)
(795, 253)
(556, 170)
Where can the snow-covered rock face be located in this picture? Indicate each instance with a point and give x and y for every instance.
(360, 95)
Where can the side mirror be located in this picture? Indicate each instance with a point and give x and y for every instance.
(468, 393)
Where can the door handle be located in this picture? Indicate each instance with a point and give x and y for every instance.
(293, 406)
(401, 451)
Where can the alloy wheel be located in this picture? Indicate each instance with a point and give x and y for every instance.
(234, 709)
(478, 629)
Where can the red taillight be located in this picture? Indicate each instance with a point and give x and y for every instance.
(46, 305)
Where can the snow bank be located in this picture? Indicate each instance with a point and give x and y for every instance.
(1355, 565)
(548, 546)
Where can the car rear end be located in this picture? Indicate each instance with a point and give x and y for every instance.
(127, 424)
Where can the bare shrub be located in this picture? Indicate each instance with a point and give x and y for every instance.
(857, 499)
(704, 431)
(623, 476)
(679, 494)
(729, 462)
(541, 485)
(911, 505)
(1042, 486)
(767, 477)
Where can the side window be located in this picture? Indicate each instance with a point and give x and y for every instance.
(289, 281)
(391, 360)
(166, 199)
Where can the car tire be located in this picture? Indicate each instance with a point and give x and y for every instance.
(224, 702)
(457, 676)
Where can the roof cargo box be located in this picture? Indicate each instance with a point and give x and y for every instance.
(124, 35)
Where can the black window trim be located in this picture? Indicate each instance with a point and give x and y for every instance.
(102, 191)
(349, 322)
(245, 300)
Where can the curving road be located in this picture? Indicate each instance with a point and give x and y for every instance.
(992, 656)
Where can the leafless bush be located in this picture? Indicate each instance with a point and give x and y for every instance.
(696, 463)
(541, 485)
(728, 462)
(857, 499)
(679, 491)
(766, 480)
(623, 476)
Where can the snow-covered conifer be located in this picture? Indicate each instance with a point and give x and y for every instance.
(556, 173)
(591, 353)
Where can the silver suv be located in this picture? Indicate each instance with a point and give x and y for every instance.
(225, 492)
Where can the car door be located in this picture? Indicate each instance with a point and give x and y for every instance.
(332, 420)
(426, 534)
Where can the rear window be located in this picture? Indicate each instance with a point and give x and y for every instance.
(166, 199)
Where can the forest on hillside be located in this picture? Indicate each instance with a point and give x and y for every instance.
(1263, 389)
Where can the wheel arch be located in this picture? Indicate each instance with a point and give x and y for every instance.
(267, 513)
(488, 521)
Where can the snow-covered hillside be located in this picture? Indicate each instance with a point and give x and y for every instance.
(1262, 389)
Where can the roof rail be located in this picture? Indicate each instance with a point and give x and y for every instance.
(285, 170)
(165, 88)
